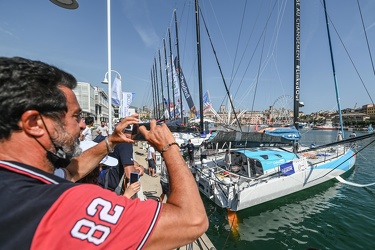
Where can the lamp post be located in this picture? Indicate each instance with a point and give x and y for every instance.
(109, 63)
(105, 81)
(108, 80)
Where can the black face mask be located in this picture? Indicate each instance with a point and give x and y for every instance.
(58, 159)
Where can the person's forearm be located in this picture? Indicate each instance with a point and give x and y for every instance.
(184, 191)
(82, 165)
(85, 163)
(183, 209)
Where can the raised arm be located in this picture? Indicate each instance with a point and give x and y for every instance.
(183, 218)
(82, 165)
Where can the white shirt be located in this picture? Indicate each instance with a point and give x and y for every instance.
(87, 136)
(103, 130)
(150, 151)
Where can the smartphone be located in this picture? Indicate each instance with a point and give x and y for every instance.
(136, 135)
(129, 128)
(134, 177)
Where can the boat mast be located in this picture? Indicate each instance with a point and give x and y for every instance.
(171, 68)
(166, 74)
(178, 65)
(229, 109)
(334, 70)
(198, 34)
(297, 54)
(152, 90)
(157, 89)
(161, 84)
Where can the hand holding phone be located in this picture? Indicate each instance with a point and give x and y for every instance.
(134, 177)
(136, 135)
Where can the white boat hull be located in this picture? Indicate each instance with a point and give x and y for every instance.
(229, 191)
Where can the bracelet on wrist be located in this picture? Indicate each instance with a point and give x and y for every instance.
(166, 147)
(109, 149)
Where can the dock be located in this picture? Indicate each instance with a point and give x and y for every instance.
(152, 189)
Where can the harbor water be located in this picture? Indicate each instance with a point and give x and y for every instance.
(329, 216)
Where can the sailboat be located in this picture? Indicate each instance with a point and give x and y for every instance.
(265, 167)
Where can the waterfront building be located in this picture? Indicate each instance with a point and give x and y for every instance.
(101, 105)
(85, 93)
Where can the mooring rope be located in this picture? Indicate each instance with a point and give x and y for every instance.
(352, 183)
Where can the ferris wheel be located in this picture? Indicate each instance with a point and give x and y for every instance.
(281, 111)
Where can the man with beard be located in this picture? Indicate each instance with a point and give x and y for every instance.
(40, 125)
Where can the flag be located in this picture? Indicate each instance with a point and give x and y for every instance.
(174, 83)
(116, 91)
(175, 112)
(127, 98)
(169, 104)
(206, 101)
(167, 108)
(185, 88)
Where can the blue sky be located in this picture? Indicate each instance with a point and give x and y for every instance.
(76, 41)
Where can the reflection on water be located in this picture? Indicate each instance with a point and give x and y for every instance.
(289, 216)
(329, 216)
(263, 224)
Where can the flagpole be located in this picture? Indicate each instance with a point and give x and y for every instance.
(109, 67)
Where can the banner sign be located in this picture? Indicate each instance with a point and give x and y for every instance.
(287, 168)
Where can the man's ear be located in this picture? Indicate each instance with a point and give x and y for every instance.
(31, 123)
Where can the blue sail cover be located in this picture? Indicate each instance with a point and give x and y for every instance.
(289, 133)
(239, 139)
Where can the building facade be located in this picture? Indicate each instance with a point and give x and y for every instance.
(85, 93)
(369, 109)
(101, 105)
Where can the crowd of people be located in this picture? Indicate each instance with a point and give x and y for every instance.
(41, 132)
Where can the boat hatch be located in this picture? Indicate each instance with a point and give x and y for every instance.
(264, 157)
(261, 161)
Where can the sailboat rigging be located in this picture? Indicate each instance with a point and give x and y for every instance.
(262, 173)
(198, 36)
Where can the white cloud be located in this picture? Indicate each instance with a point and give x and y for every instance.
(6, 32)
(138, 14)
(370, 27)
